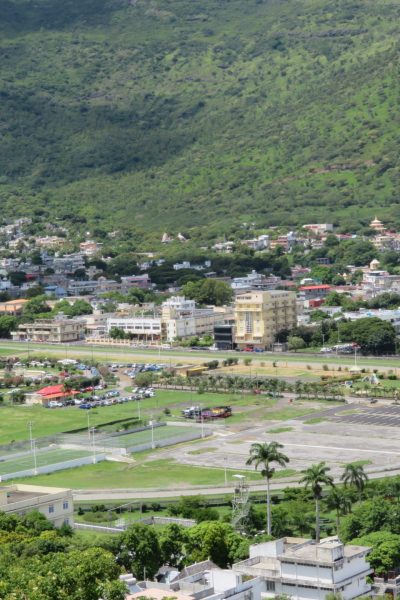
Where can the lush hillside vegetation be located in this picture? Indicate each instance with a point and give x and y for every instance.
(198, 115)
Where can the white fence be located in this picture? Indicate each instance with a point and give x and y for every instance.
(177, 439)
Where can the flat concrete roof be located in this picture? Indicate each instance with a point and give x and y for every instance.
(17, 496)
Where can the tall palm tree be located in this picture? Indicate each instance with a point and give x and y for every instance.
(314, 478)
(265, 455)
(355, 476)
(340, 501)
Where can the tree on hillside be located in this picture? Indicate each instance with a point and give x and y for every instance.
(265, 455)
(36, 306)
(314, 478)
(373, 335)
(208, 291)
(355, 476)
(7, 325)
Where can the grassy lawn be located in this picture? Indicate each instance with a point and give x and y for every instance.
(280, 430)
(14, 420)
(313, 421)
(161, 473)
(289, 412)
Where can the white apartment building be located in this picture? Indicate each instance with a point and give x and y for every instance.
(145, 329)
(304, 570)
(255, 281)
(179, 319)
(56, 504)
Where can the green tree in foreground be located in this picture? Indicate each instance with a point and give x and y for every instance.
(314, 478)
(140, 551)
(296, 343)
(355, 476)
(339, 501)
(265, 455)
(385, 553)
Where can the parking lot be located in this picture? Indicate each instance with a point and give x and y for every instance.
(337, 435)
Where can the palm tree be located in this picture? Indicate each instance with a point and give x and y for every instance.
(265, 454)
(355, 476)
(340, 501)
(314, 478)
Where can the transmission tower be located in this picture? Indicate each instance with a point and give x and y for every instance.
(240, 503)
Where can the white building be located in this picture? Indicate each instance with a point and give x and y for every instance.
(200, 581)
(259, 243)
(303, 569)
(143, 329)
(256, 281)
(56, 504)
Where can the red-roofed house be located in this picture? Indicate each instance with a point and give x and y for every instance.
(311, 292)
(50, 392)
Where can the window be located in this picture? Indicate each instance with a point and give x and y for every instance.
(270, 586)
(65, 505)
(51, 508)
(66, 521)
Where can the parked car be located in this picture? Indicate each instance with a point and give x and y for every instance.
(55, 404)
(85, 406)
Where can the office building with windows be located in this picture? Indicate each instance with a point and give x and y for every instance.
(261, 315)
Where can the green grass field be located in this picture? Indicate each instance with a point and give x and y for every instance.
(14, 420)
(43, 459)
(163, 474)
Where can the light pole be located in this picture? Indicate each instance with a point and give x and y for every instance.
(225, 473)
(138, 405)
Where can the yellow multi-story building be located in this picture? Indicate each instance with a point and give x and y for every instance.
(260, 316)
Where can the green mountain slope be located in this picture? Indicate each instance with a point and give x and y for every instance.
(189, 115)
